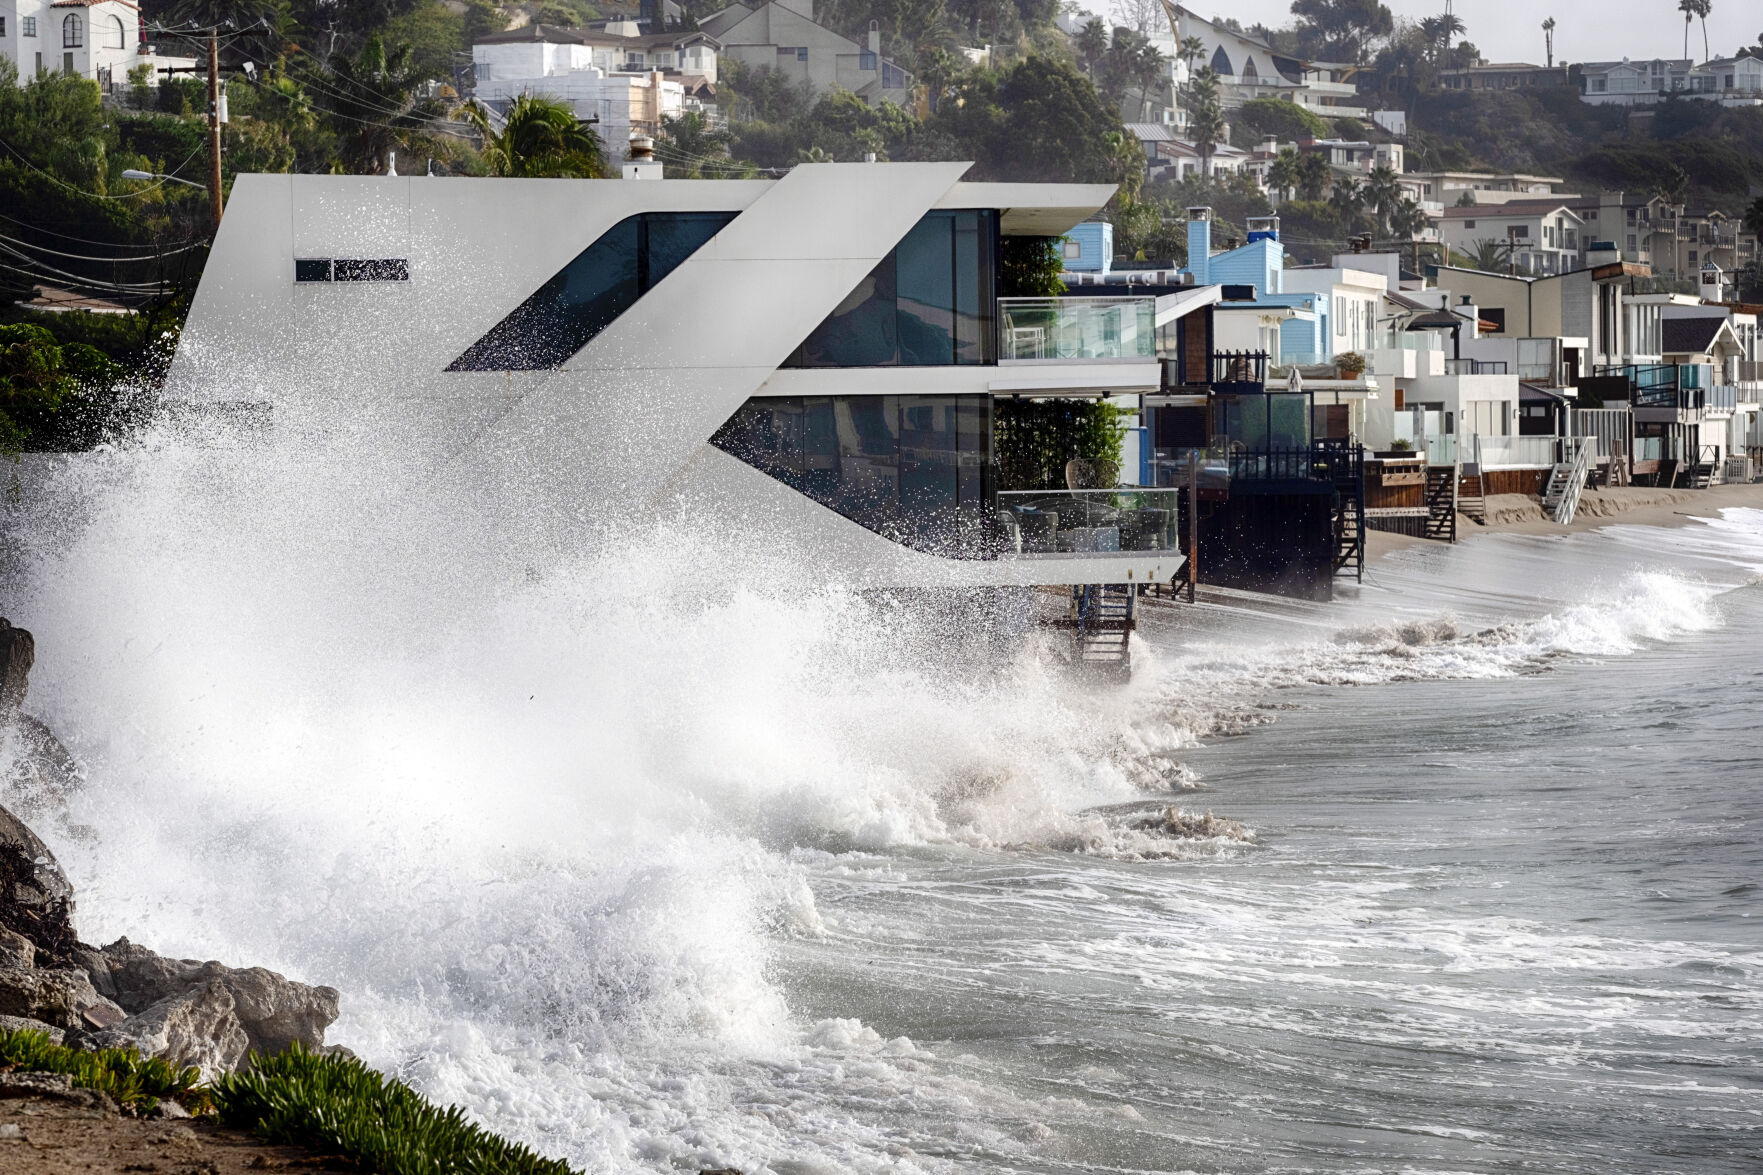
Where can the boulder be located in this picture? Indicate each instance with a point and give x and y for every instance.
(61, 997)
(16, 950)
(270, 1010)
(18, 651)
(36, 899)
(199, 1027)
(20, 1024)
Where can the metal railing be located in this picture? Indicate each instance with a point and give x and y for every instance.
(1721, 397)
(1045, 522)
(1093, 329)
(1476, 367)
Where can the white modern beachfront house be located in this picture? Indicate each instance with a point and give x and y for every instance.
(817, 355)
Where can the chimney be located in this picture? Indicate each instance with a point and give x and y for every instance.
(1200, 245)
(641, 163)
(875, 38)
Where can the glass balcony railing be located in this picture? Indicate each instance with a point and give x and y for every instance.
(1046, 522)
(1093, 329)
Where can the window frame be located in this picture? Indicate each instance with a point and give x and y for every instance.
(73, 31)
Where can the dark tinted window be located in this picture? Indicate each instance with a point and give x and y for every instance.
(914, 468)
(371, 271)
(589, 293)
(312, 271)
(929, 303)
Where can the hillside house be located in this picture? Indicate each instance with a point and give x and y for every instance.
(1503, 76)
(626, 84)
(782, 35)
(1544, 236)
(1633, 83)
(97, 39)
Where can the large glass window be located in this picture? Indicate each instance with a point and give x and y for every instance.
(589, 293)
(929, 303)
(913, 468)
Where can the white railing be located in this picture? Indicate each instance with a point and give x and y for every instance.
(1582, 467)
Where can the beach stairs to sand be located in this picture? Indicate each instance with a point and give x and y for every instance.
(1102, 618)
(1441, 502)
(1567, 481)
(1707, 471)
(1471, 498)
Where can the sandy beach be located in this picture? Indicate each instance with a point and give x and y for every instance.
(1632, 505)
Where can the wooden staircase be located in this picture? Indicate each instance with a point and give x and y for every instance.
(1102, 618)
(1706, 471)
(1347, 466)
(1566, 482)
(1471, 500)
(1441, 502)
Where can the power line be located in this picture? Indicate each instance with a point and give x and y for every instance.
(108, 260)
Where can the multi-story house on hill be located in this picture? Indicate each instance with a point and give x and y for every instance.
(96, 39)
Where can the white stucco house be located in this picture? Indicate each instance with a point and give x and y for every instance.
(626, 84)
(98, 39)
(1545, 236)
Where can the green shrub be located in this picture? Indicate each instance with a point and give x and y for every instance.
(1276, 116)
(338, 1104)
(135, 1082)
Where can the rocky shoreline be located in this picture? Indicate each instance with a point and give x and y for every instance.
(187, 1012)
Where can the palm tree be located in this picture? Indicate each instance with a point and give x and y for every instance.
(1549, 40)
(1283, 173)
(1383, 192)
(541, 137)
(1347, 197)
(1450, 24)
(1129, 164)
(377, 108)
(1702, 8)
(1313, 176)
(1092, 45)
(1490, 255)
(1408, 220)
(1205, 117)
(1688, 8)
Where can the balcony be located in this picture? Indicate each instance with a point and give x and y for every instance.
(1476, 367)
(1091, 330)
(1055, 522)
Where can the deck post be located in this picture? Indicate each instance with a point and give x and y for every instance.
(1193, 522)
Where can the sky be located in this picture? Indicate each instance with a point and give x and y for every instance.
(1511, 30)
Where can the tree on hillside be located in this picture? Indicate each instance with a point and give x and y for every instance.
(1383, 193)
(1131, 63)
(1408, 220)
(373, 100)
(1549, 41)
(1313, 176)
(541, 137)
(1341, 30)
(1754, 218)
(1491, 256)
(1282, 173)
(692, 147)
(1205, 117)
(1039, 120)
(1693, 10)
(1091, 44)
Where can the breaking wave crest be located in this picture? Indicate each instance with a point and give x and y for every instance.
(537, 809)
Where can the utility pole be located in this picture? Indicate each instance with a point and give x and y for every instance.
(214, 199)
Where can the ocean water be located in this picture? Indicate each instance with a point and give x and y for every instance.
(659, 868)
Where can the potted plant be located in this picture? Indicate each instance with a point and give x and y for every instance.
(1350, 364)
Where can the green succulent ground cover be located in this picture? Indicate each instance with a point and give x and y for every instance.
(332, 1104)
(137, 1083)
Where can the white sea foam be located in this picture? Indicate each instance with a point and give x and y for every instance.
(542, 814)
